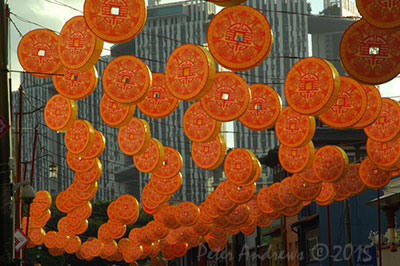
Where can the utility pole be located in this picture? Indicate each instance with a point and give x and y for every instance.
(6, 234)
(348, 234)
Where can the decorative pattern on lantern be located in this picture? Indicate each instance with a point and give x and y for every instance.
(239, 215)
(349, 107)
(384, 154)
(238, 193)
(294, 129)
(172, 164)
(240, 166)
(127, 79)
(309, 176)
(254, 211)
(295, 160)
(292, 211)
(285, 195)
(204, 213)
(209, 155)
(78, 164)
(387, 126)
(92, 175)
(75, 84)
(352, 182)
(153, 195)
(262, 201)
(372, 176)
(60, 113)
(302, 189)
(369, 54)
(198, 126)
(134, 138)
(330, 163)
(187, 213)
(374, 105)
(327, 194)
(264, 109)
(115, 114)
(273, 197)
(239, 38)
(341, 193)
(73, 245)
(151, 159)
(37, 53)
(264, 221)
(189, 72)
(78, 47)
(166, 186)
(222, 200)
(256, 174)
(228, 99)
(159, 102)
(115, 21)
(227, 3)
(381, 14)
(98, 146)
(210, 207)
(80, 137)
(312, 86)
(127, 207)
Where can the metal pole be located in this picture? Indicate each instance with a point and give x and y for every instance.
(328, 214)
(258, 245)
(16, 206)
(348, 233)
(33, 155)
(31, 183)
(18, 254)
(286, 261)
(27, 228)
(379, 227)
(6, 225)
(19, 169)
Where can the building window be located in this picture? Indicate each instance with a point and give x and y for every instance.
(312, 245)
(311, 250)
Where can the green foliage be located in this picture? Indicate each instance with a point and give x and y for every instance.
(40, 254)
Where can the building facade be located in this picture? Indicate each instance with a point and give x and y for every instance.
(50, 147)
(289, 24)
(169, 26)
(345, 8)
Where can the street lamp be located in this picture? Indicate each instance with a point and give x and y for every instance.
(53, 170)
(27, 192)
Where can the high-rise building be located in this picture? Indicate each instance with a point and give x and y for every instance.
(169, 26)
(50, 147)
(346, 8)
(289, 25)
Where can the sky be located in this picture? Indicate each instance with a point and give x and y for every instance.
(52, 15)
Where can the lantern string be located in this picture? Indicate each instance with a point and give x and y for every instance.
(16, 28)
(63, 179)
(263, 77)
(160, 36)
(178, 125)
(29, 72)
(57, 2)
